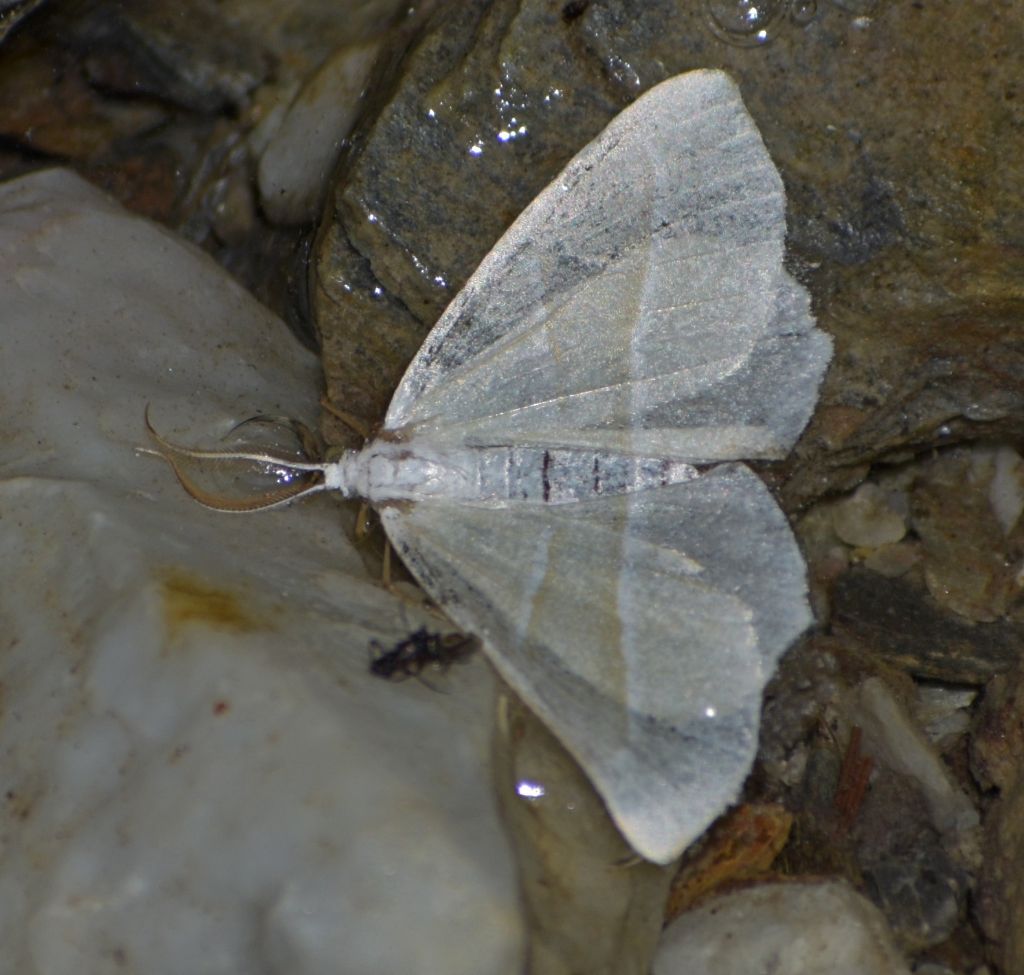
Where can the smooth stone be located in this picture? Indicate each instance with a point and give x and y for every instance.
(1006, 490)
(201, 774)
(868, 518)
(893, 738)
(943, 713)
(908, 243)
(800, 929)
(295, 165)
(896, 619)
(970, 564)
(594, 905)
(905, 863)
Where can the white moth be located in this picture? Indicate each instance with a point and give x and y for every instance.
(541, 469)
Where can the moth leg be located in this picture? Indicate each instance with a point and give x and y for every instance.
(362, 531)
(627, 862)
(351, 421)
(430, 687)
(362, 528)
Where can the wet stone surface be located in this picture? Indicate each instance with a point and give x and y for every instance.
(919, 887)
(897, 155)
(898, 621)
(898, 128)
(492, 99)
(170, 112)
(592, 905)
(996, 763)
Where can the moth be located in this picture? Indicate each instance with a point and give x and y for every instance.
(560, 466)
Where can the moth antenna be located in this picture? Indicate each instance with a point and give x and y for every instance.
(173, 454)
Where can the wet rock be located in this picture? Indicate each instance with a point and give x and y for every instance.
(897, 619)
(996, 750)
(192, 740)
(188, 54)
(493, 97)
(943, 713)
(12, 12)
(870, 517)
(897, 743)
(314, 87)
(907, 241)
(593, 905)
(919, 886)
(800, 929)
(971, 564)
(294, 166)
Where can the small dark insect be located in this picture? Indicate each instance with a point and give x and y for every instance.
(418, 651)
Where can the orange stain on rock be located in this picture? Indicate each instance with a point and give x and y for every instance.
(741, 846)
(189, 600)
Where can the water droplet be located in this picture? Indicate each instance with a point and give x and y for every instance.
(623, 73)
(530, 790)
(744, 23)
(983, 412)
(802, 12)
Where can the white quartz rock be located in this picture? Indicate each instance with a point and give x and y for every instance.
(800, 929)
(898, 743)
(299, 157)
(869, 518)
(199, 773)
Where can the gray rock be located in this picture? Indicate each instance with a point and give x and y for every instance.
(905, 239)
(200, 772)
(897, 619)
(593, 905)
(800, 929)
